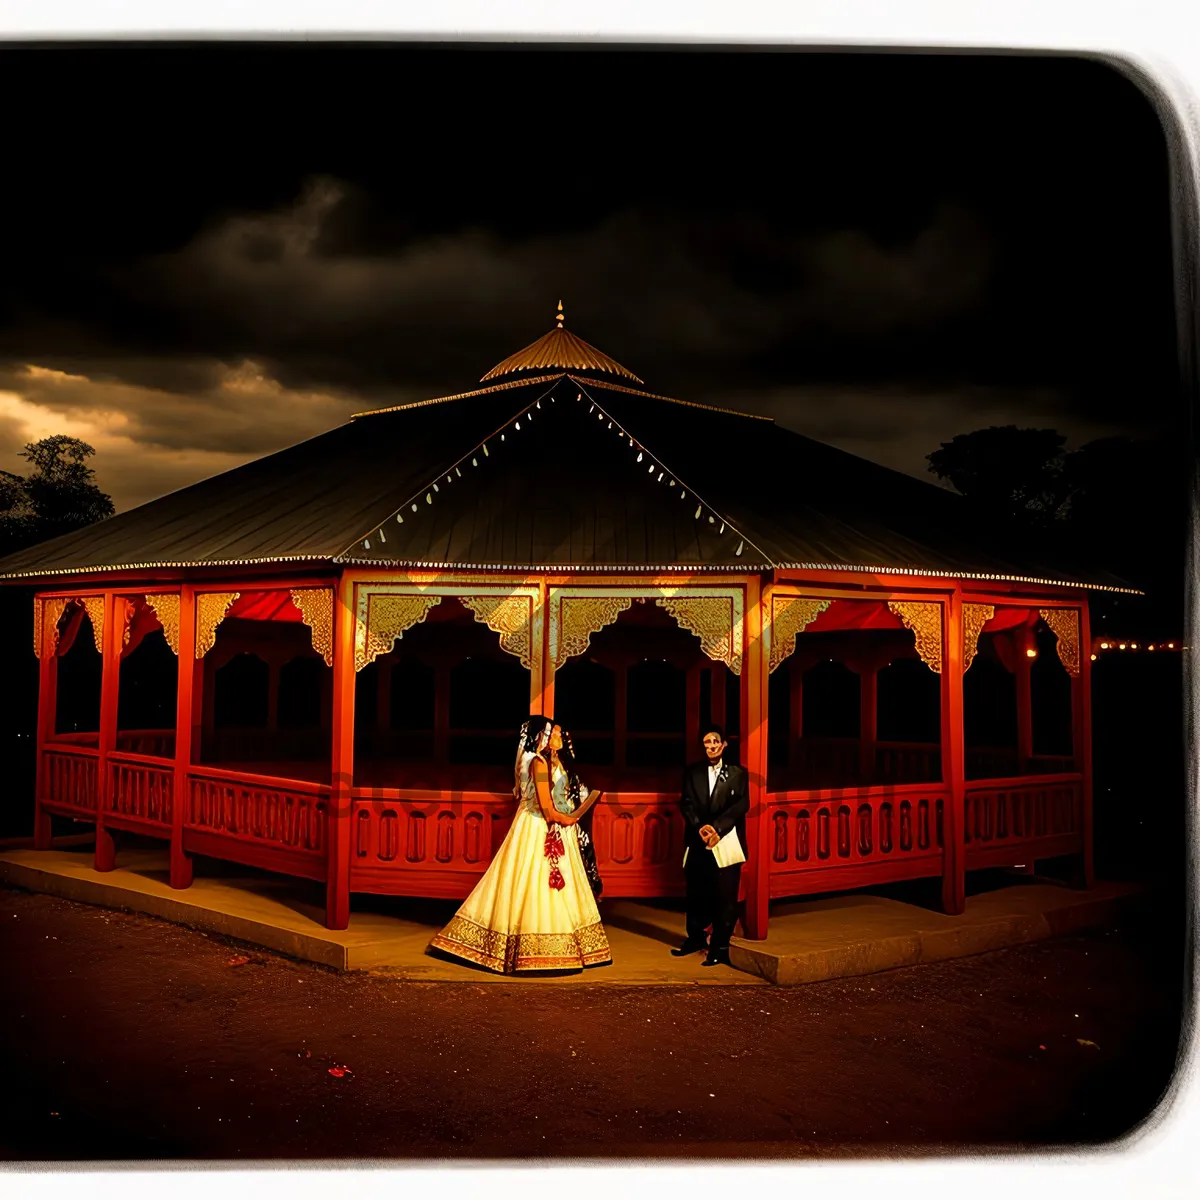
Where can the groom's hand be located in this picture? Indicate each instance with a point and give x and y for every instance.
(709, 836)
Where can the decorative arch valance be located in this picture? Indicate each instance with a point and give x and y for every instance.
(312, 606)
(48, 638)
(792, 614)
(1012, 622)
(714, 615)
(1065, 624)
(384, 611)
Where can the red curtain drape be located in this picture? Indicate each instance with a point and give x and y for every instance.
(855, 614)
(68, 629)
(1009, 630)
(275, 605)
(143, 622)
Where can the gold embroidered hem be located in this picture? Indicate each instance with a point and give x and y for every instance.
(511, 952)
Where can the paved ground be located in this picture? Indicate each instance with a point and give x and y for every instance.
(810, 939)
(125, 1037)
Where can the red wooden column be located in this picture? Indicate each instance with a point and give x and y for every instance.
(954, 899)
(755, 661)
(110, 678)
(47, 708)
(1082, 735)
(188, 708)
(541, 677)
(337, 878)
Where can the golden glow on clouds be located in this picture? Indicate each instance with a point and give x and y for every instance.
(150, 441)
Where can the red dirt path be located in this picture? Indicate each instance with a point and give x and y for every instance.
(128, 1038)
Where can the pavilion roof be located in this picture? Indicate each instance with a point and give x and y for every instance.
(559, 348)
(558, 467)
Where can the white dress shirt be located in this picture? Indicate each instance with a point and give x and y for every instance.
(714, 772)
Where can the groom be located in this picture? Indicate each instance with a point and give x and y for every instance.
(716, 796)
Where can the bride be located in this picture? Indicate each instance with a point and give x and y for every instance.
(535, 907)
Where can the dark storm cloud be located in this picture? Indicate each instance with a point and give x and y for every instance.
(446, 306)
(878, 252)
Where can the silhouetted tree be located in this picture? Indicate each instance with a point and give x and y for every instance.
(1011, 472)
(59, 495)
(1116, 502)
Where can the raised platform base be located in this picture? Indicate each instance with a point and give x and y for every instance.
(841, 936)
(809, 940)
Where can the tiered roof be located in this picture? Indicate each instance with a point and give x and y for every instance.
(557, 462)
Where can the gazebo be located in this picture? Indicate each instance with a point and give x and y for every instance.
(317, 663)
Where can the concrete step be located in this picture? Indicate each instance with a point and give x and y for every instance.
(843, 936)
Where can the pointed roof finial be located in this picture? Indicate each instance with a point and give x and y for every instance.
(558, 348)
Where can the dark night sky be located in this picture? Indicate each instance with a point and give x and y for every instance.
(208, 254)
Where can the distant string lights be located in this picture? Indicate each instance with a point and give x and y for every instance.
(1132, 647)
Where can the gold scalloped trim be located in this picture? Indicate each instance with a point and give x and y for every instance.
(711, 619)
(509, 616)
(790, 616)
(166, 609)
(924, 618)
(383, 618)
(95, 611)
(45, 626)
(211, 608)
(975, 617)
(1065, 624)
(316, 607)
(581, 616)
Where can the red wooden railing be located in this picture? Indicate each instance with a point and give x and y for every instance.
(438, 843)
(639, 844)
(153, 743)
(424, 843)
(1010, 822)
(825, 840)
(141, 793)
(275, 824)
(68, 781)
(431, 843)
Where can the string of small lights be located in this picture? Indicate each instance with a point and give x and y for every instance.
(656, 468)
(470, 460)
(1132, 647)
(662, 474)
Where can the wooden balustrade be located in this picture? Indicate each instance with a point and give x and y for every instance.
(822, 841)
(278, 825)
(68, 781)
(1010, 823)
(424, 843)
(141, 795)
(153, 743)
(429, 843)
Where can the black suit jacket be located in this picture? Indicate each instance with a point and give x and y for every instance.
(724, 810)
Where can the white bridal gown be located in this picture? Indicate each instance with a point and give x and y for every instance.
(514, 920)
